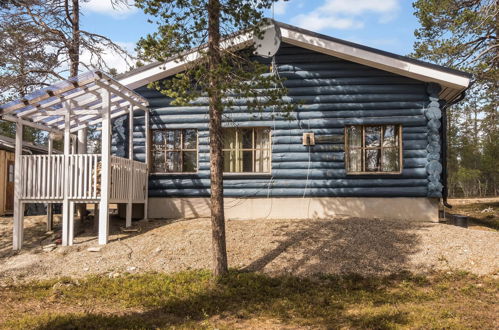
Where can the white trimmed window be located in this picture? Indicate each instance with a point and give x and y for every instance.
(174, 151)
(247, 150)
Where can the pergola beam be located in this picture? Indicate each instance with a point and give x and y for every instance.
(59, 100)
(115, 91)
(24, 102)
(86, 100)
(31, 124)
(89, 118)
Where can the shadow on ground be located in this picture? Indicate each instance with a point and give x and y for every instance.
(330, 302)
(36, 235)
(341, 246)
(480, 214)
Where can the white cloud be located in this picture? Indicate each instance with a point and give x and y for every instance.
(106, 7)
(346, 14)
(112, 59)
(280, 7)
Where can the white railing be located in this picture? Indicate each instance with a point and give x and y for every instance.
(123, 173)
(43, 178)
(140, 182)
(84, 176)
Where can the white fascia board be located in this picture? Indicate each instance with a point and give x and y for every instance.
(375, 60)
(175, 66)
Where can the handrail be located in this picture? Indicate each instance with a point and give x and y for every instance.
(43, 178)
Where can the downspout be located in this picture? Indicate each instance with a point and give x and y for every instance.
(444, 147)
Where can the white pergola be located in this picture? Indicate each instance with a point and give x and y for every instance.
(65, 109)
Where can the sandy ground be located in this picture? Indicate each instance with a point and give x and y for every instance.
(369, 247)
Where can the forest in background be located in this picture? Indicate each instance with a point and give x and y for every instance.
(461, 34)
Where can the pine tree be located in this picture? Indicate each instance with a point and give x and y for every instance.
(227, 76)
(463, 34)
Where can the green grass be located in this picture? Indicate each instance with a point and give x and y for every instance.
(195, 300)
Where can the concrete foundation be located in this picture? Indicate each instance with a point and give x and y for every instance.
(404, 208)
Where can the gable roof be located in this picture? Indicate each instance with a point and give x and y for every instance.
(453, 82)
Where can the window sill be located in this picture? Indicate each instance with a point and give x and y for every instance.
(247, 174)
(174, 173)
(373, 173)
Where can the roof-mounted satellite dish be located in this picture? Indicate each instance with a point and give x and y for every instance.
(268, 44)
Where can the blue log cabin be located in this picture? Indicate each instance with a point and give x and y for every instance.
(367, 138)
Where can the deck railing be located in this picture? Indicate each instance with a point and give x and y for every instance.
(43, 178)
(84, 176)
(121, 169)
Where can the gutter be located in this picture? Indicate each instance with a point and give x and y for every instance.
(445, 191)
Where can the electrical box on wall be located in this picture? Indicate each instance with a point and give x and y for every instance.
(308, 139)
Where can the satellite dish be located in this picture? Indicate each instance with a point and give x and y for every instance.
(269, 43)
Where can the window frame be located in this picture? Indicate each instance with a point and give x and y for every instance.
(253, 150)
(181, 150)
(363, 148)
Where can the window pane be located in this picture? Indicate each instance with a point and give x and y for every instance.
(262, 138)
(173, 139)
(231, 163)
(373, 160)
(173, 163)
(247, 161)
(262, 160)
(158, 162)
(246, 136)
(355, 160)
(158, 137)
(373, 136)
(189, 161)
(190, 139)
(229, 138)
(11, 173)
(391, 160)
(391, 136)
(354, 136)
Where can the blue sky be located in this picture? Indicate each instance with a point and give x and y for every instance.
(385, 24)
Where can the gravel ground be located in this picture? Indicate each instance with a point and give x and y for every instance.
(336, 246)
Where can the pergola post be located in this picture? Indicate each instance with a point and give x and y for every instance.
(129, 205)
(18, 204)
(82, 149)
(65, 203)
(148, 162)
(50, 215)
(105, 169)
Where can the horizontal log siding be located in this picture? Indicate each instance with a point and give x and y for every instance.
(330, 94)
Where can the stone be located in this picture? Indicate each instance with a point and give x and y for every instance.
(94, 249)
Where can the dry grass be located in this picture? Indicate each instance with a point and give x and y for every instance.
(247, 300)
(482, 213)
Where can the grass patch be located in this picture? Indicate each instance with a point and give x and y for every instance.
(195, 299)
(488, 219)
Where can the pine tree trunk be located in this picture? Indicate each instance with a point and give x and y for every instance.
(74, 49)
(216, 164)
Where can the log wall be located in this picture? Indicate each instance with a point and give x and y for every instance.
(330, 93)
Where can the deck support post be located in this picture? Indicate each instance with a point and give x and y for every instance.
(66, 218)
(129, 205)
(18, 204)
(148, 162)
(106, 168)
(50, 215)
